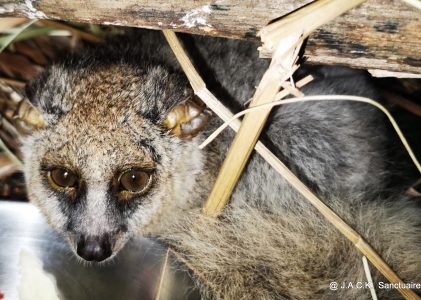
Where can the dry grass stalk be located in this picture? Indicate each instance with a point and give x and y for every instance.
(415, 189)
(7, 167)
(291, 90)
(282, 94)
(402, 102)
(200, 89)
(322, 98)
(11, 137)
(10, 38)
(82, 34)
(9, 128)
(7, 23)
(162, 275)
(15, 83)
(304, 20)
(369, 278)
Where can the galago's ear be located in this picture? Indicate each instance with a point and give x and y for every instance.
(27, 118)
(22, 115)
(165, 98)
(186, 119)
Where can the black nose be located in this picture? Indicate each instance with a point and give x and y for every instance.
(94, 248)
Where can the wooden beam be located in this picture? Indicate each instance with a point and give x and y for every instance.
(380, 34)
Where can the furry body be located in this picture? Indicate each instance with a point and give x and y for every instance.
(105, 110)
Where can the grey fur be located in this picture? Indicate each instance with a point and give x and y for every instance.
(104, 110)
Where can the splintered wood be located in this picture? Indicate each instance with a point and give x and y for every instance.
(304, 20)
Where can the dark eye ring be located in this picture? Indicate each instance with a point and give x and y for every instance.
(61, 178)
(135, 181)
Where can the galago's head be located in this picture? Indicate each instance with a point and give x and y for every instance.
(116, 153)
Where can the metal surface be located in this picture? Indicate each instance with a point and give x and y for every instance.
(135, 273)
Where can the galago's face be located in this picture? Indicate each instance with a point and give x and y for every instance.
(105, 168)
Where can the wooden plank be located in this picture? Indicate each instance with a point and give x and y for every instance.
(380, 34)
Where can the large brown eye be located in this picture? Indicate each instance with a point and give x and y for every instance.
(135, 181)
(62, 178)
